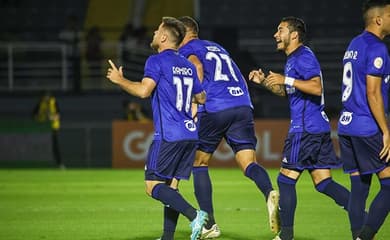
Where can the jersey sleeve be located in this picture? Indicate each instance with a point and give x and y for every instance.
(308, 67)
(376, 58)
(152, 68)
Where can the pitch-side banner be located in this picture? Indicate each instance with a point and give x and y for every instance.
(131, 141)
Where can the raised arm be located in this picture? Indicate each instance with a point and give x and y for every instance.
(257, 76)
(311, 86)
(141, 89)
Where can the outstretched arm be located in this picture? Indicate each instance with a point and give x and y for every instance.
(257, 76)
(141, 89)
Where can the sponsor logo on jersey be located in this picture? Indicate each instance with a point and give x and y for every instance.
(345, 118)
(324, 116)
(190, 125)
(235, 91)
(290, 90)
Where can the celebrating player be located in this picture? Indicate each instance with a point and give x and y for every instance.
(172, 82)
(227, 113)
(308, 144)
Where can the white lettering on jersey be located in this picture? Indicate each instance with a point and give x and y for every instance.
(351, 55)
(182, 71)
(213, 48)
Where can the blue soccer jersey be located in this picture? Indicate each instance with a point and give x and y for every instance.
(176, 83)
(222, 80)
(307, 111)
(365, 55)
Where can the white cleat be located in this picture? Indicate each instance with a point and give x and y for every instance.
(273, 212)
(213, 232)
(278, 238)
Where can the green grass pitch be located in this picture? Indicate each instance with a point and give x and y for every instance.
(52, 204)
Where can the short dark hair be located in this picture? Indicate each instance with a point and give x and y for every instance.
(369, 4)
(298, 25)
(175, 27)
(190, 23)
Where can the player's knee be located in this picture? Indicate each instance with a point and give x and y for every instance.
(321, 186)
(283, 179)
(201, 163)
(149, 186)
(202, 159)
(148, 191)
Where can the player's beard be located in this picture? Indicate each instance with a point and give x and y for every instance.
(282, 45)
(154, 46)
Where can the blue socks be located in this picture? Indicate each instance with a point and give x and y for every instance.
(287, 205)
(258, 175)
(334, 190)
(360, 186)
(170, 221)
(173, 199)
(378, 212)
(203, 192)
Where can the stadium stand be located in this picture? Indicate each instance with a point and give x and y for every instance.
(246, 27)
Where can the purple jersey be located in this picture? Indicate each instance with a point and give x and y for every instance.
(307, 111)
(222, 80)
(176, 83)
(365, 55)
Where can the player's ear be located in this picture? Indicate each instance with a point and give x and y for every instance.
(164, 37)
(294, 35)
(378, 20)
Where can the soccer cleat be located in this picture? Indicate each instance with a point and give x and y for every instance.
(198, 223)
(213, 232)
(273, 211)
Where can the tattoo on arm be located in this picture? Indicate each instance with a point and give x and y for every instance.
(279, 89)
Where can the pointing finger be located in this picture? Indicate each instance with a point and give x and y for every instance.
(112, 65)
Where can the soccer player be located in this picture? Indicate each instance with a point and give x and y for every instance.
(172, 82)
(227, 113)
(363, 132)
(308, 144)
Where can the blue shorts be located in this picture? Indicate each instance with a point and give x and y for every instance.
(167, 160)
(362, 153)
(309, 151)
(236, 125)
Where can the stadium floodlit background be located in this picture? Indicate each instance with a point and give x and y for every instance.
(62, 47)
